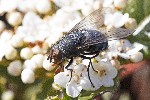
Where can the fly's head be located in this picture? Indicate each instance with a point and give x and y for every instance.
(55, 55)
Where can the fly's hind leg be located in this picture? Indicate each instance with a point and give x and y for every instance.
(67, 67)
(89, 75)
(90, 63)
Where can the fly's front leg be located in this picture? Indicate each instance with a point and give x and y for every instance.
(67, 67)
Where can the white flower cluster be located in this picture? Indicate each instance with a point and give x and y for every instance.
(102, 75)
(34, 31)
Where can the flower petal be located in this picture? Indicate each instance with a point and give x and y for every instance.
(73, 89)
(62, 79)
(107, 81)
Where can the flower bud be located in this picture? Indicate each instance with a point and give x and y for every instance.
(136, 57)
(38, 59)
(115, 63)
(7, 95)
(15, 68)
(36, 49)
(17, 41)
(43, 7)
(120, 4)
(131, 23)
(30, 64)
(26, 53)
(14, 18)
(97, 4)
(47, 65)
(27, 76)
(86, 10)
(11, 53)
(6, 35)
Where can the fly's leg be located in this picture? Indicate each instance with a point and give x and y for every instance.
(89, 75)
(67, 67)
(90, 63)
(84, 57)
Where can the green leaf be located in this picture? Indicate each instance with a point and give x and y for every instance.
(138, 9)
(142, 38)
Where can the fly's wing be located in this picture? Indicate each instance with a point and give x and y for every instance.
(115, 33)
(93, 21)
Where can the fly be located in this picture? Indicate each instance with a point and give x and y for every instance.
(88, 37)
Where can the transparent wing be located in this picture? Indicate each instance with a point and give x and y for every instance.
(93, 21)
(115, 33)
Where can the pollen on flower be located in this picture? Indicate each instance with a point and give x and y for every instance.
(75, 78)
(102, 72)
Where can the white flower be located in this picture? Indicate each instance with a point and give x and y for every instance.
(124, 49)
(14, 18)
(62, 75)
(43, 7)
(26, 53)
(105, 73)
(73, 88)
(118, 47)
(47, 65)
(15, 68)
(27, 76)
(117, 19)
(33, 28)
(68, 19)
(7, 95)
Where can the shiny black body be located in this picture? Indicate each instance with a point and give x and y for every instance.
(76, 43)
